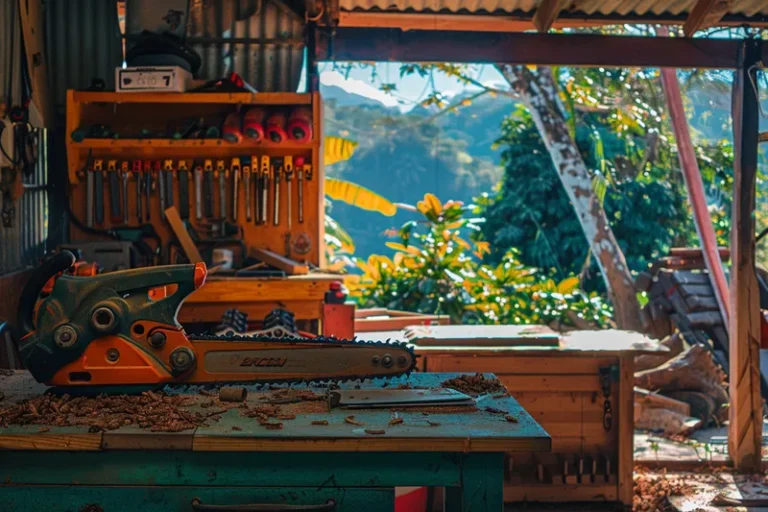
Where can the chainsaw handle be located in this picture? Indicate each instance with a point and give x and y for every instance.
(328, 506)
(25, 316)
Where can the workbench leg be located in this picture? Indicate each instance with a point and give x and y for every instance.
(482, 485)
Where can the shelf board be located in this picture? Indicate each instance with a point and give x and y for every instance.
(182, 144)
(260, 98)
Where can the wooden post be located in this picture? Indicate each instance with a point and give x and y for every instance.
(745, 429)
(32, 15)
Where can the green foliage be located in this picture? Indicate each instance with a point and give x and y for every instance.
(436, 270)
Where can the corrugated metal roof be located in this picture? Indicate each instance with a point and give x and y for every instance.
(10, 52)
(261, 40)
(618, 8)
(83, 42)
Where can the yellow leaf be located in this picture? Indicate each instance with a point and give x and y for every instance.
(446, 235)
(461, 242)
(354, 194)
(422, 207)
(336, 149)
(337, 266)
(483, 248)
(455, 225)
(398, 259)
(568, 285)
(414, 250)
(466, 102)
(434, 203)
(396, 246)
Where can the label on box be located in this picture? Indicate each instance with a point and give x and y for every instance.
(150, 79)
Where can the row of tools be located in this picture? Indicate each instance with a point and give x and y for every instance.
(256, 176)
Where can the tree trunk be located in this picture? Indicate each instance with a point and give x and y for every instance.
(538, 91)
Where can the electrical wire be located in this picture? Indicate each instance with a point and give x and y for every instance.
(760, 66)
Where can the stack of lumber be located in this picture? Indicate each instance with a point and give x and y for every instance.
(679, 390)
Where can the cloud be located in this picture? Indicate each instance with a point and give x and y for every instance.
(359, 87)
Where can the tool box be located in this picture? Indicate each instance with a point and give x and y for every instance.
(241, 171)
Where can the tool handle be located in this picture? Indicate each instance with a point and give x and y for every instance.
(184, 194)
(114, 196)
(198, 506)
(208, 204)
(99, 201)
(31, 292)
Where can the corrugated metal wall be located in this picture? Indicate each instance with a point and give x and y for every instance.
(10, 51)
(83, 42)
(261, 40)
(23, 244)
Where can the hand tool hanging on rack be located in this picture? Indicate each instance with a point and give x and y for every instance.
(264, 188)
(89, 177)
(247, 187)
(183, 190)
(137, 174)
(98, 182)
(161, 181)
(208, 192)
(289, 200)
(125, 174)
(235, 166)
(166, 185)
(277, 164)
(198, 191)
(148, 185)
(222, 173)
(300, 185)
(114, 192)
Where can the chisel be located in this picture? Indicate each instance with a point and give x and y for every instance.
(198, 192)
(222, 173)
(247, 187)
(124, 175)
(264, 188)
(183, 190)
(169, 172)
(98, 178)
(288, 178)
(89, 176)
(208, 182)
(137, 174)
(114, 191)
(277, 163)
(300, 186)
(148, 187)
(163, 181)
(235, 166)
(161, 186)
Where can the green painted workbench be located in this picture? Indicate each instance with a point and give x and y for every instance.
(237, 461)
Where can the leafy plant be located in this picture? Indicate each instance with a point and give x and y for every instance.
(436, 269)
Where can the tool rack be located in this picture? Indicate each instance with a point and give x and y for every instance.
(131, 114)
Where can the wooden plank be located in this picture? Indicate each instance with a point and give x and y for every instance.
(745, 413)
(180, 231)
(524, 365)
(650, 399)
(559, 493)
(377, 44)
(261, 98)
(705, 14)
(695, 252)
(483, 335)
(50, 441)
(134, 438)
(244, 289)
(625, 440)
(287, 265)
(32, 15)
(398, 322)
(551, 383)
(547, 13)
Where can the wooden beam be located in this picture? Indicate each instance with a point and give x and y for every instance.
(746, 419)
(32, 15)
(376, 44)
(706, 14)
(547, 13)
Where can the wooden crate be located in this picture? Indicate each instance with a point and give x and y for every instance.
(563, 389)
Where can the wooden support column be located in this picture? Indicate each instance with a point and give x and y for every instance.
(32, 15)
(706, 14)
(746, 422)
(547, 13)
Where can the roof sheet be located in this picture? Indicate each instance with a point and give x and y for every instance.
(599, 8)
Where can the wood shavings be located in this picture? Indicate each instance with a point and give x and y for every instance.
(375, 432)
(494, 410)
(652, 490)
(352, 421)
(511, 418)
(474, 385)
(395, 421)
(273, 425)
(319, 422)
(286, 416)
(236, 428)
(433, 423)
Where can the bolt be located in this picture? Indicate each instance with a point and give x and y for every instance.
(103, 320)
(65, 336)
(113, 355)
(376, 360)
(157, 339)
(387, 361)
(182, 359)
(402, 360)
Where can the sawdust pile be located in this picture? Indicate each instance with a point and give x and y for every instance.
(157, 412)
(290, 395)
(474, 385)
(653, 489)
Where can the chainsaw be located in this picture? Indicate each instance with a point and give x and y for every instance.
(119, 330)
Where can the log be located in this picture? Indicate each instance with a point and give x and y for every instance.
(650, 400)
(647, 361)
(702, 405)
(692, 370)
(671, 422)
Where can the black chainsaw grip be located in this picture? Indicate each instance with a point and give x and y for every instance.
(25, 316)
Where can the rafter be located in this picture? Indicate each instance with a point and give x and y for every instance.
(547, 13)
(706, 14)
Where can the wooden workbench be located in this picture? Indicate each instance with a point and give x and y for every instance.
(564, 388)
(235, 460)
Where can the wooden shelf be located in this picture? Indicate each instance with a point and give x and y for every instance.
(138, 144)
(261, 98)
